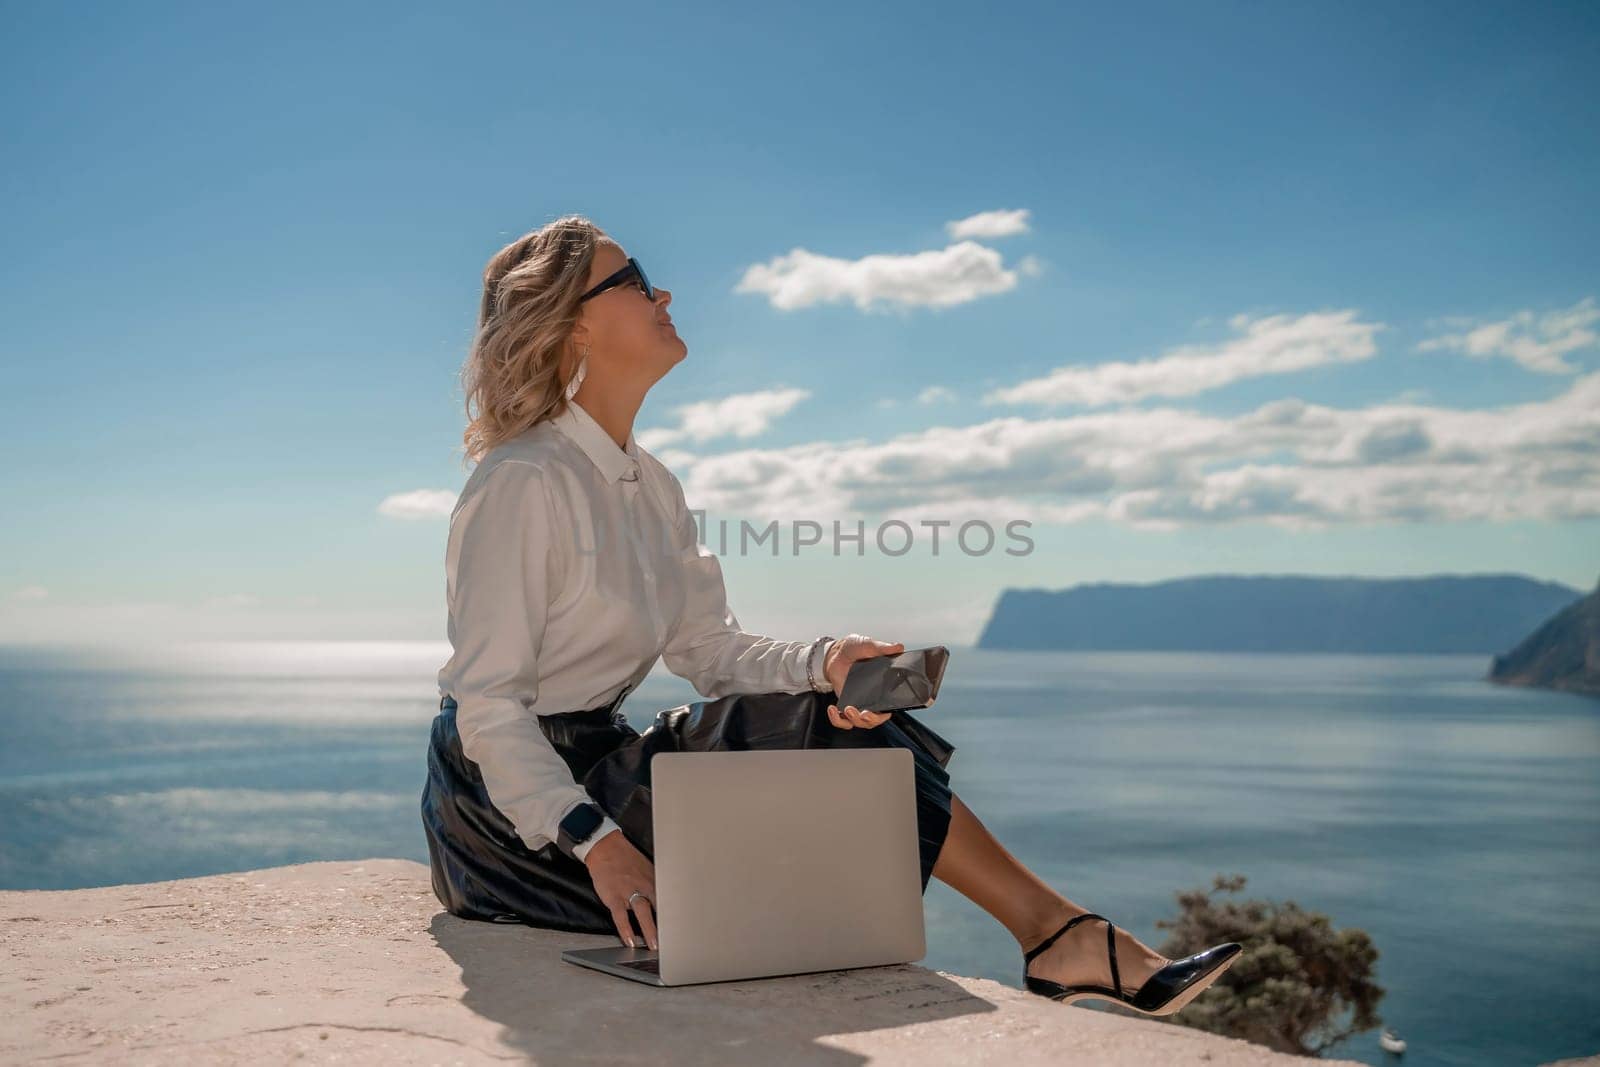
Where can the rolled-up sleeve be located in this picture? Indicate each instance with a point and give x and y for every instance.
(505, 576)
(707, 646)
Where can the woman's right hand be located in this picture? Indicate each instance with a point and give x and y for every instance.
(619, 870)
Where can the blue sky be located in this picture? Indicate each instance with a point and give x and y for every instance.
(1191, 288)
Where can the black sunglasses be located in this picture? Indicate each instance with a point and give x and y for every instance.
(621, 276)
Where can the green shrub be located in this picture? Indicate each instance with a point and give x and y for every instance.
(1299, 985)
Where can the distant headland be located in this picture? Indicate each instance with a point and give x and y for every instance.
(1563, 653)
(1485, 613)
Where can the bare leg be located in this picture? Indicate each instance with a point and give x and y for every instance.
(977, 866)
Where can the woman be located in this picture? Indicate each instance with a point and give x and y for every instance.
(572, 565)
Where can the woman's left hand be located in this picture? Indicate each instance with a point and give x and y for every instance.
(841, 654)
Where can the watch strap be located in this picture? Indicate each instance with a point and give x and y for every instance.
(578, 825)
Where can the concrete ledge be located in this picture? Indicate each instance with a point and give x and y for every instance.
(356, 961)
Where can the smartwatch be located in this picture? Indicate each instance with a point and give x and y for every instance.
(578, 825)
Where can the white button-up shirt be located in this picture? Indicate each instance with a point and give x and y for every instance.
(571, 566)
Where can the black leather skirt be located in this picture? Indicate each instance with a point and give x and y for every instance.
(483, 870)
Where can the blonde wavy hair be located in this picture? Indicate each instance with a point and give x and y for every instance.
(513, 376)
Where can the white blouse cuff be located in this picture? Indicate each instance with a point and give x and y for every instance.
(606, 826)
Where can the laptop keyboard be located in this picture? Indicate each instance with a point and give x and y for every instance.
(651, 966)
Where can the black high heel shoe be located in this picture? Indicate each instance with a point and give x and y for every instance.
(1163, 993)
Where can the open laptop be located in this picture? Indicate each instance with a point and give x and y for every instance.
(778, 862)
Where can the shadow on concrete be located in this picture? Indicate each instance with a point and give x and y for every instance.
(558, 1012)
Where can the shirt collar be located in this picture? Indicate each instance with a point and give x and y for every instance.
(614, 462)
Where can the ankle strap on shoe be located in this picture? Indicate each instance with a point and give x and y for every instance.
(1111, 945)
(1027, 957)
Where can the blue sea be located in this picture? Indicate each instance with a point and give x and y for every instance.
(1457, 822)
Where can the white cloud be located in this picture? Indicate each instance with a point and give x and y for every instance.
(1537, 342)
(742, 415)
(1276, 344)
(31, 592)
(941, 277)
(934, 394)
(1289, 462)
(989, 224)
(419, 504)
(674, 458)
(655, 439)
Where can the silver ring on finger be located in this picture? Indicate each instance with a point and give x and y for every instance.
(635, 893)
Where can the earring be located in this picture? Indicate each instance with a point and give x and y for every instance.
(578, 375)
